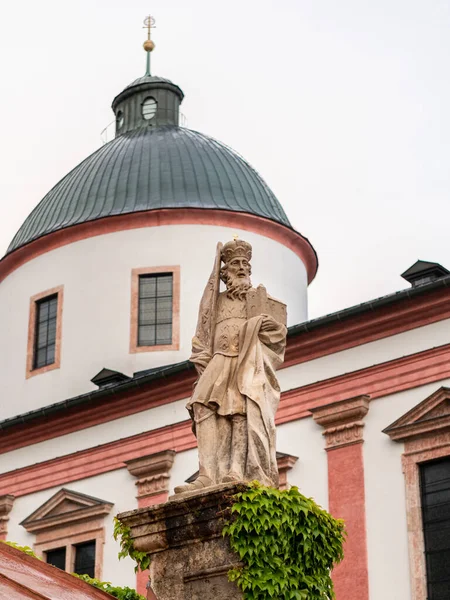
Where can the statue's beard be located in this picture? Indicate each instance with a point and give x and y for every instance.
(237, 287)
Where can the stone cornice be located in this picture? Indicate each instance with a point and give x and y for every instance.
(6, 504)
(152, 472)
(343, 421)
(285, 462)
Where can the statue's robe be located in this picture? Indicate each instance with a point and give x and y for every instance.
(237, 377)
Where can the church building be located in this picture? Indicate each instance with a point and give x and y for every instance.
(99, 298)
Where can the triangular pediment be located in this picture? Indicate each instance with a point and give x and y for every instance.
(430, 415)
(64, 507)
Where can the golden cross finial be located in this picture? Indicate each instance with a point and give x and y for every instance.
(149, 23)
(149, 45)
(235, 237)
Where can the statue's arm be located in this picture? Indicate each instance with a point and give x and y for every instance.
(200, 356)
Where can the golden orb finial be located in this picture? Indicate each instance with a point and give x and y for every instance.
(149, 45)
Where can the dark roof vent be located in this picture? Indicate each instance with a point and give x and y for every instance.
(107, 377)
(423, 271)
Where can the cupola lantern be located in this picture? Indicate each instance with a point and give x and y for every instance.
(149, 101)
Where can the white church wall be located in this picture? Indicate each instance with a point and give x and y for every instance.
(387, 542)
(117, 487)
(96, 275)
(304, 439)
(366, 355)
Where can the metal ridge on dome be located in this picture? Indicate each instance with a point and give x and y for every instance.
(147, 169)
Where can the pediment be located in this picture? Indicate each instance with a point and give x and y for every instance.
(430, 415)
(66, 506)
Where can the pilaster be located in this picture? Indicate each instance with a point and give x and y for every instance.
(343, 424)
(153, 479)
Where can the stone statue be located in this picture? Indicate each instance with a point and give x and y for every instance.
(239, 342)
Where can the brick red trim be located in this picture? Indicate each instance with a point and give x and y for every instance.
(377, 381)
(381, 380)
(380, 323)
(94, 461)
(181, 216)
(347, 501)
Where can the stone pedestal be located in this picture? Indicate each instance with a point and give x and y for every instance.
(190, 558)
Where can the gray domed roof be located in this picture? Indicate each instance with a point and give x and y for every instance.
(147, 169)
(149, 79)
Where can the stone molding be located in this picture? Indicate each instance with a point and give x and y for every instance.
(66, 508)
(285, 463)
(424, 430)
(431, 416)
(342, 421)
(6, 504)
(152, 472)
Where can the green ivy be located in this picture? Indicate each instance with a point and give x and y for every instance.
(123, 534)
(122, 593)
(288, 545)
(25, 549)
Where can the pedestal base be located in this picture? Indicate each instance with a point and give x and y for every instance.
(190, 559)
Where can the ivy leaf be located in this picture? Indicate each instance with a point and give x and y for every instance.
(286, 542)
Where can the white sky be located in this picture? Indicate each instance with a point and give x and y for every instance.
(343, 107)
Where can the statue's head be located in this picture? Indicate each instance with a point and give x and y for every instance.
(236, 271)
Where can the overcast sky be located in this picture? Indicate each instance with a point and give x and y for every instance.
(343, 107)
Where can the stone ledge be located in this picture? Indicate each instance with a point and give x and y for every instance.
(190, 558)
(182, 521)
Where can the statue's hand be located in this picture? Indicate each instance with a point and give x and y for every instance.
(268, 323)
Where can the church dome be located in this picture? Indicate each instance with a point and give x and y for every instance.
(165, 167)
(152, 164)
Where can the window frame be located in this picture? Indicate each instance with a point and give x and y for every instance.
(70, 540)
(134, 321)
(424, 432)
(429, 526)
(32, 324)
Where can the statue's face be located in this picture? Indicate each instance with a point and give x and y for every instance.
(239, 268)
